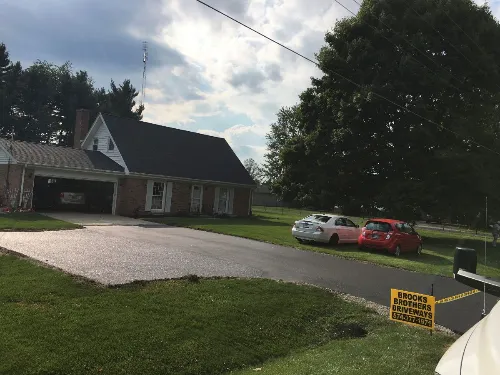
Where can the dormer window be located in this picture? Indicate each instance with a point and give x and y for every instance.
(95, 145)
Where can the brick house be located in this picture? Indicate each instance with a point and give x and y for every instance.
(126, 167)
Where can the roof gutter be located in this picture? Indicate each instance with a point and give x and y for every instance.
(99, 171)
(171, 178)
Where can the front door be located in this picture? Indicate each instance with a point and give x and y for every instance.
(196, 198)
(351, 231)
(223, 200)
(158, 197)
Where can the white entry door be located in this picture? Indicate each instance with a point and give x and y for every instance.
(196, 198)
(223, 206)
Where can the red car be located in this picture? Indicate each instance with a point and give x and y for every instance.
(394, 236)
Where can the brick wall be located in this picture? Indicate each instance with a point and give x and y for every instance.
(181, 197)
(131, 197)
(10, 192)
(241, 201)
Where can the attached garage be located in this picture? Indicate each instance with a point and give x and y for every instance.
(63, 194)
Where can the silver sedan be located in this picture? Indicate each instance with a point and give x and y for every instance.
(326, 228)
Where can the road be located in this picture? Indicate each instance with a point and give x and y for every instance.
(120, 254)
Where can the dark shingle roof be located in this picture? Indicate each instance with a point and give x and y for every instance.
(160, 150)
(58, 156)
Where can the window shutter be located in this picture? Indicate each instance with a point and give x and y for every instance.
(231, 198)
(216, 200)
(168, 199)
(149, 195)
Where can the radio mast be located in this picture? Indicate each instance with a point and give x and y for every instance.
(144, 60)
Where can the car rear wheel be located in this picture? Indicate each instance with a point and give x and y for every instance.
(398, 251)
(334, 239)
(419, 249)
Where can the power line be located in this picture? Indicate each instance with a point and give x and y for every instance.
(347, 79)
(411, 44)
(450, 43)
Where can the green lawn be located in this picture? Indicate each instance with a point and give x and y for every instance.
(52, 323)
(274, 225)
(31, 221)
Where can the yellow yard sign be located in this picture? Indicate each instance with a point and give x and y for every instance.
(413, 308)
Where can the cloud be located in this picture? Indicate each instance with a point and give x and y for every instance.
(244, 139)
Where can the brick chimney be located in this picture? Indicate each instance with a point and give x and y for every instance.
(81, 126)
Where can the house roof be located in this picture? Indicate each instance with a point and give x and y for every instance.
(159, 150)
(58, 156)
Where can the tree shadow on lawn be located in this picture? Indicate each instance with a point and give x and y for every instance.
(193, 221)
(25, 216)
(425, 257)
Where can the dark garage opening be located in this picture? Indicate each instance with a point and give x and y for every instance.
(62, 194)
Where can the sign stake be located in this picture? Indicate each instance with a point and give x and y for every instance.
(432, 294)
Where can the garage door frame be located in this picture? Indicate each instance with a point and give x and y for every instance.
(79, 175)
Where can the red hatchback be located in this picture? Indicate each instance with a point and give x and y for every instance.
(394, 236)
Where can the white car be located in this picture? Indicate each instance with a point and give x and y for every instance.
(326, 228)
(476, 352)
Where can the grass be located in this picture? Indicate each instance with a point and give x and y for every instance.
(31, 221)
(274, 226)
(53, 324)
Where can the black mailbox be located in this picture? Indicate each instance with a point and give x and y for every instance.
(465, 259)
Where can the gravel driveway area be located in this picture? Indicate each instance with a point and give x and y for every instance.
(121, 254)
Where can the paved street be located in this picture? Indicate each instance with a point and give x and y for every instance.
(120, 254)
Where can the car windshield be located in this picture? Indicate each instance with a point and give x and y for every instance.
(320, 218)
(378, 226)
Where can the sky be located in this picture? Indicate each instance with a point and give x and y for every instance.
(205, 73)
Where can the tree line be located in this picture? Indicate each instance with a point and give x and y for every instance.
(437, 151)
(39, 103)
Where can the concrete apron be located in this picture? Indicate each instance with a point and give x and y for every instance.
(87, 220)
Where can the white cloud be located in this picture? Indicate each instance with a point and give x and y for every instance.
(246, 74)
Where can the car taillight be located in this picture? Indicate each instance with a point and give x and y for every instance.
(319, 229)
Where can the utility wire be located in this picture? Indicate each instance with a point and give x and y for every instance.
(450, 43)
(412, 45)
(347, 79)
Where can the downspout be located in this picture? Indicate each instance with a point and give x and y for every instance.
(22, 186)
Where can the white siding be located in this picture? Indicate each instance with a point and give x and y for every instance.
(4, 157)
(103, 135)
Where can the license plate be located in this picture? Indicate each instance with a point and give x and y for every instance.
(375, 236)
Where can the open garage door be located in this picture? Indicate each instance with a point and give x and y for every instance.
(63, 194)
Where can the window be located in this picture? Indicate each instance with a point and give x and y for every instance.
(378, 226)
(95, 145)
(319, 218)
(223, 200)
(349, 223)
(341, 222)
(405, 228)
(196, 197)
(157, 197)
(111, 145)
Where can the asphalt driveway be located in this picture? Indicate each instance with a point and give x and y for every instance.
(121, 254)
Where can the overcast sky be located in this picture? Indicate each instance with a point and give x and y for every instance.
(205, 72)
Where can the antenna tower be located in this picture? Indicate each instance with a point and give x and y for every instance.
(144, 60)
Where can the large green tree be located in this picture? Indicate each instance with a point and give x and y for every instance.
(10, 80)
(438, 60)
(39, 103)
